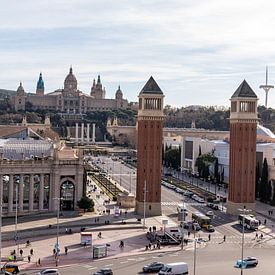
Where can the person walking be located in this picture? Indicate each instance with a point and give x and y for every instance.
(224, 238)
(21, 252)
(256, 236)
(209, 237)
(66, 250)
(31, 252)
(39, 262)
(29, 258)
(54, 251)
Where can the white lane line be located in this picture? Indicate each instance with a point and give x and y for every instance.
(92, 268)
(109, 264)
(131, 259)
(124, 262)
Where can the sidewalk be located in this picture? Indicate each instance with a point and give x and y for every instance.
(134, 239)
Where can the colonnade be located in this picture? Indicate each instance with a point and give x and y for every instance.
(20, 192)
(82, 138)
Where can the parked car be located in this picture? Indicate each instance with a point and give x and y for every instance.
(247, 262)
(196, 226)
(2, 272)
(153, 267)
(12, 268)
(50, 271)
(104, 271)
(188, 194)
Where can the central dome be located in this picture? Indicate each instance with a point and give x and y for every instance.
(70, 82)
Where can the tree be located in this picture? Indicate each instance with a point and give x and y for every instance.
(263, 189)
(257, 183)
(86, 204)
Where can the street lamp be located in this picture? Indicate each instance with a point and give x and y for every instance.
(182, 222)
(16, 218)
(57, 230)
(144, 203)
(244, 211)
(195, 255)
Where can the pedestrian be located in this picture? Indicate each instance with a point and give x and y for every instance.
(95, 219)
(256, 237)
(39, 262)
(66, 250)
(188, 233)
(14, 257)
(264, 221)
(209, 237)
(99, 235)
(27, 243)
(261, 236)
(150, 229)
(54, 251)
(31, 252)
(29, 258)
(224, 238)
(21, 252)
(66, 230)
(149, 245)
(85, 244)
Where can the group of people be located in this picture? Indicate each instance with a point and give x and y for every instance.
(153, 246)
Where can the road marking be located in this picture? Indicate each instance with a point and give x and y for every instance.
(131, 259)
(109, 264)
(92, 268)
(124, 262)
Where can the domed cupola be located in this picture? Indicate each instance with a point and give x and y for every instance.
(20, 90)
(70, 82)
(119, 94)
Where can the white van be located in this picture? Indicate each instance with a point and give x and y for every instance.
(174, 269)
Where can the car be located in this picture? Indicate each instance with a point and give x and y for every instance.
(153, 267)
(188, 194)
(200, 200)
(2, 272)
(210, 228)
(12, 268)
(196, 226)
(104, 271)
(247, 262)
(209, 213)
(50, 271)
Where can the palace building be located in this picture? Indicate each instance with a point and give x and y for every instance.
(69, 99)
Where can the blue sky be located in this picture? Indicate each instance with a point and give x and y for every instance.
(198, 51)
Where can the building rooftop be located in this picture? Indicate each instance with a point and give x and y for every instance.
(244, 90)
(151, 87)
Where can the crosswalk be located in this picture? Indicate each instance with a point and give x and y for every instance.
(176, 203)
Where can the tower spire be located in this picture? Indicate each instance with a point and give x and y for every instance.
(266, 87)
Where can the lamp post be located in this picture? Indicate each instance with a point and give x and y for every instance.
(244, 210)
(144, 204)
(195, 255)
(16, 218)
(182, 222)
(57, 230)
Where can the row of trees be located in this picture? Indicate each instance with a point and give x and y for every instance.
(171, 157)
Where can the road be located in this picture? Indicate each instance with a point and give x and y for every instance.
(211, 260)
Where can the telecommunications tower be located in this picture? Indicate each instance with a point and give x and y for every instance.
(266, 87)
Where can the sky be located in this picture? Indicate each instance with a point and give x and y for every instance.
(198, 51)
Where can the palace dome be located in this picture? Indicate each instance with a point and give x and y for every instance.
(70, 82)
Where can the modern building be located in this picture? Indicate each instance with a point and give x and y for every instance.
(149, 149)
(69, 99)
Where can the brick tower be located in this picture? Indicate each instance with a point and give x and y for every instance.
(242, 161)
(149, 149)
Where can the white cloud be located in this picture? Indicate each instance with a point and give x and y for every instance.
(193, 48)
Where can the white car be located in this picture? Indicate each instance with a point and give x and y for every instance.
(50, 271)
(210, 213)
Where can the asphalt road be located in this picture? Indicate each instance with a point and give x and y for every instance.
(211, 260)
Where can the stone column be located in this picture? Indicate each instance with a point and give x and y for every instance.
(41, 192)
(93, 133)
(31, 193)
(76, 133)
(88, 133)
(21, 193)
(82, 132)
(10, 203)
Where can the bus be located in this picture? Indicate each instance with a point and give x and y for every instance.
(201, 219)
(250, 221)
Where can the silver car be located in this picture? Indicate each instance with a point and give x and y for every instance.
(50, 271)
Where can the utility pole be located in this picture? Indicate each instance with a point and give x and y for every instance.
(57, 231)
(195, 255)
(144, 204)
(16, 218)
(182, 222)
